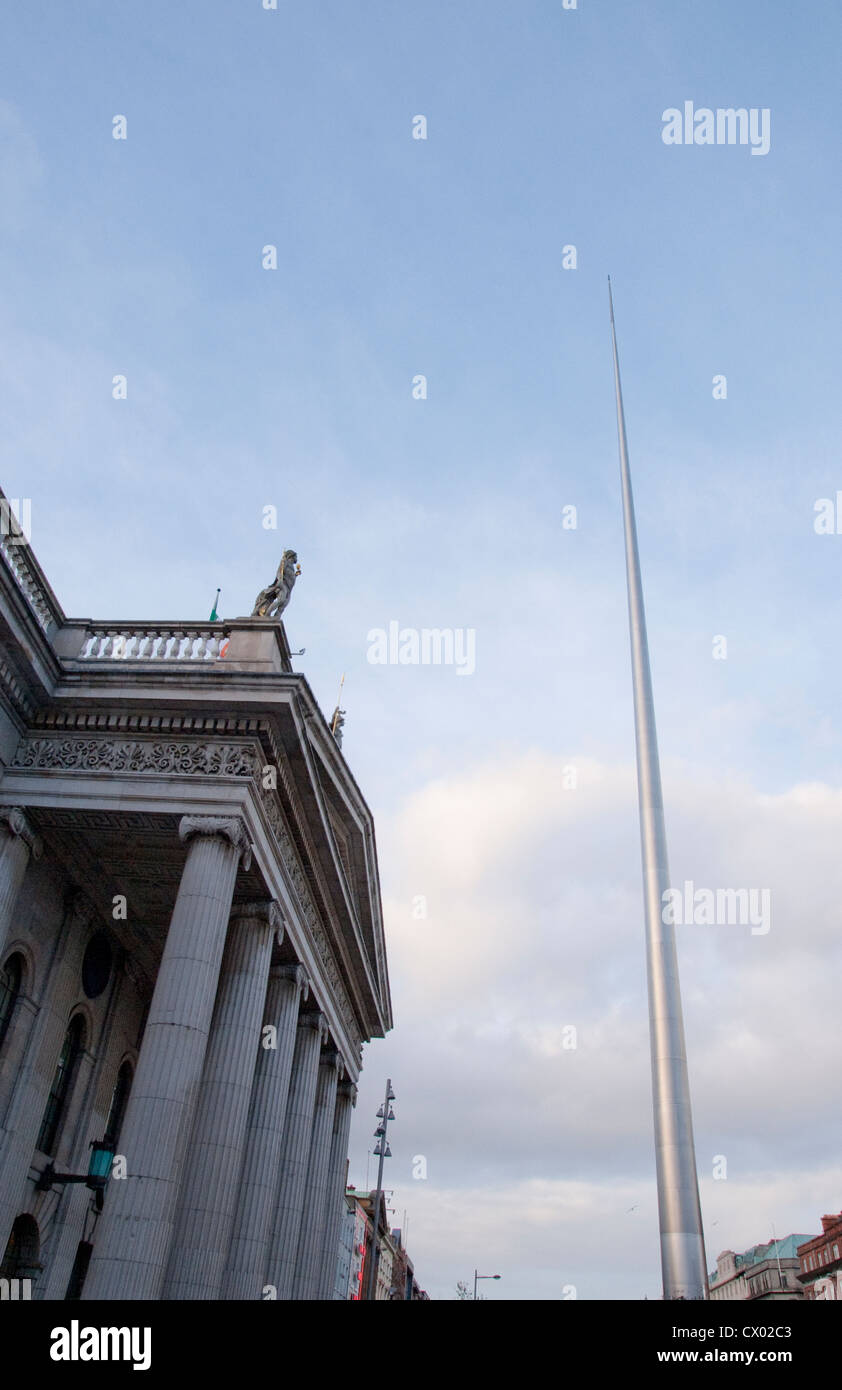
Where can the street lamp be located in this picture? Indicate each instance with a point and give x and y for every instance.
(483, 1276)
(381, 1150)
(99, 1170)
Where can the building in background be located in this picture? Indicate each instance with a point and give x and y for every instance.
(191, 945)
(354, 1238)
(395, 1273)
(767, 1272)
(404, 1283)
(342, 1283)
(400, 1267)
(820, 1264)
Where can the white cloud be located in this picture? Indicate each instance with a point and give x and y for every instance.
(535, 924)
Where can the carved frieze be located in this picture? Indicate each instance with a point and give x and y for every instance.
(137, 755)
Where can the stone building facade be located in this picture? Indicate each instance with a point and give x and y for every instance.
(191, 956)
(820, 1262)
(766, 1273)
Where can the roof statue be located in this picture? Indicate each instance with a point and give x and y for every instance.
(271, 601)
(337, 724)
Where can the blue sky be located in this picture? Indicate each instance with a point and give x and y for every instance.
(396, 257)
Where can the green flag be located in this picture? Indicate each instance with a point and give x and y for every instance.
(214, 617)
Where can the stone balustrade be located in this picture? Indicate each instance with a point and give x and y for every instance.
(197, 642)
(15, 550)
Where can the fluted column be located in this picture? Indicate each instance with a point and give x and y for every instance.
(74, 1201)
(18, 840)
(311, 1234)
(33, 1078)
(133, 1242)
(256, 1202)
(215, 1154)
(298, 1123)
(346, 1099)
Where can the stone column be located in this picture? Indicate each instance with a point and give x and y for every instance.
(74, 1200)
(18, 841)
(31, 1085)
(311, 1234)
(256, 1202)
(133, 1241)
(346, 1099)
(298, 1124)
(215, 1154)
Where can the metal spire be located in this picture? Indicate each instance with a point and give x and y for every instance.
(682, 1241)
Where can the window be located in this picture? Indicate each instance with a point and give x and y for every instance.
(836, 1252)
(84, 1250)
(11, 977)
(117, 1108)
(21, 1258)
(71, 1048)
(96, 966)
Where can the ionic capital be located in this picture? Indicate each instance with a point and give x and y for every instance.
(265, 910)
(348, 1090)
(15, 820)
(231, 828)
(331, 1059)
(316, 1021)
(297, 974)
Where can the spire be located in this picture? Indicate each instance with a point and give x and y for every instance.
(682, 1241)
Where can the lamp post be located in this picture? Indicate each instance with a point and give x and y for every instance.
(483, 1276)
(381, 1150)
(99, 1170)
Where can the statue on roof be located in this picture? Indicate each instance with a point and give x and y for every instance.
(271, 601)
(337, 724)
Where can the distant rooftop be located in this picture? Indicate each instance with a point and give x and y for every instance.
(784, 1249)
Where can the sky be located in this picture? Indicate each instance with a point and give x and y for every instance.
(512, 898)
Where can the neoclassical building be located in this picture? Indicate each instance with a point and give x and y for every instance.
(191, 956)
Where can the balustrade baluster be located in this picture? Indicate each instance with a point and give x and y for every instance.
(152, 643)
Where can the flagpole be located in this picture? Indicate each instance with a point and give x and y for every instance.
(683, 1262)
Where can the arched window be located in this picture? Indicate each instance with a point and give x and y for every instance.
(117, 1108)
(11, 977)
(74, 1041)
(21, 1258)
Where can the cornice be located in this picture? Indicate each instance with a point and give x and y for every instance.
(57, 749)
